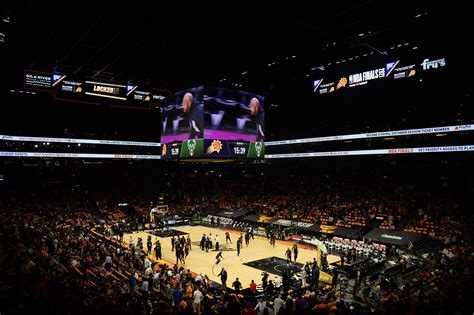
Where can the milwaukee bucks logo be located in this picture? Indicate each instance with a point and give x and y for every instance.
(258, 148)
(191, 146)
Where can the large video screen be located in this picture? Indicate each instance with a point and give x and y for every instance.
(213, 122)
(233, 115)
(183, 116)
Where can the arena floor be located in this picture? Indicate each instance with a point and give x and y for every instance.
(203, 262)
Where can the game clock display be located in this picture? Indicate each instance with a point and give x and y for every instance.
(239, 148)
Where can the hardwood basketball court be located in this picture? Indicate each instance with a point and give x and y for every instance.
(203, 262)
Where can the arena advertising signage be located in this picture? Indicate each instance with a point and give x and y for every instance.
(79, 155)
(434, 64)
(363, 77)
(67, 88)
(284, 222)
(108, 90)
(37, 80)
(394, 133)
(446, 149)
(393, 69)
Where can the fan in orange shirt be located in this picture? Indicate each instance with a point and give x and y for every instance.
(189, 290)
(253, 287)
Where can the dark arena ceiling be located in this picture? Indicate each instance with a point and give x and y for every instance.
(233, 44)
(275, 50)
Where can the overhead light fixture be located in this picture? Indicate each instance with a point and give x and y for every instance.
(245, 72)
(417, 16)
(361, 34)
(415, 47)
(6, 19)
(293, 57)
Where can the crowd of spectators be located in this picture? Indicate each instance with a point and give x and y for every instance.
(339, 204)
(55, 261)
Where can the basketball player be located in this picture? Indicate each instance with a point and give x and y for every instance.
(227, 238)
(219, 257)
(288, 255)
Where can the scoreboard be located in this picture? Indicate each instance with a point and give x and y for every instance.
(209, 149)
(213, 123)
(67, 88)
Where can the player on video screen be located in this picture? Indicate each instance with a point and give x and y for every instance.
(195, 114)
(257, 110)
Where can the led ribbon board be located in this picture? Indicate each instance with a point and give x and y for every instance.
(395, 133)
(447, 149)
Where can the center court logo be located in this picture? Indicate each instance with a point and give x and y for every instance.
(191, 146)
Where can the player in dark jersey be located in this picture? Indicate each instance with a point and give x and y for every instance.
(219, 257)
(195, 112)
